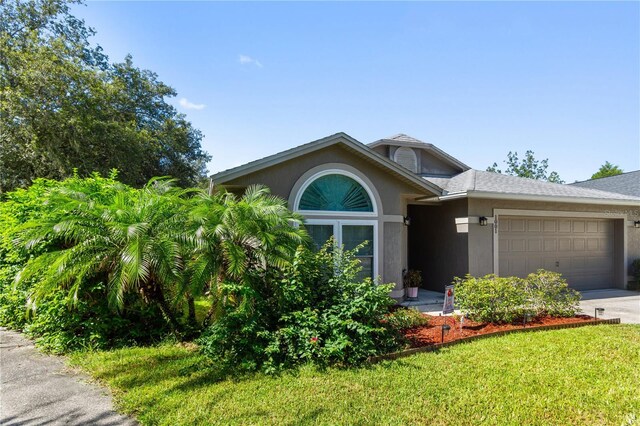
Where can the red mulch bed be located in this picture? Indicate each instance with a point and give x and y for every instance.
(431, 334)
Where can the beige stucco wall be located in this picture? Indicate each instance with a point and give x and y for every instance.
(282, 177)
(481, 251)
(390, 194)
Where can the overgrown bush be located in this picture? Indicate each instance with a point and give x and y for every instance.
(61, 321)
(60, 326)
(405, 318)
(317, 312)
(508, 299)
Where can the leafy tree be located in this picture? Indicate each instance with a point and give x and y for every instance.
(529, 168)
(56, 327)
(127, 241)
(606, 170)
(65, 106)
(235, 239)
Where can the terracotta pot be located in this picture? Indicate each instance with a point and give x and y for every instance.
(412, 292)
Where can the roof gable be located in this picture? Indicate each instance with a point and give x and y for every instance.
(403, 140)
(338, 138)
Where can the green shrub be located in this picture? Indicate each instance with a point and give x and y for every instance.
(61, 321)
(316, 311)
(508, 299)
(60, 326)
(405, 318)
(490, 298)
(549, 294)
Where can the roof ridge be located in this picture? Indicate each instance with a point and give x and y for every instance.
(606, 177)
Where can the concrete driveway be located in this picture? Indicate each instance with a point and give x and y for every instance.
(36, 389)
(623, 304)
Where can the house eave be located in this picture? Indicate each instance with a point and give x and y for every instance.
(532, 197)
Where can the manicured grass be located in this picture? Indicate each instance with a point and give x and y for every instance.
(577, 376)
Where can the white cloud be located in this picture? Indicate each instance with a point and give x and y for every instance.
(244, 59)
(184, 103)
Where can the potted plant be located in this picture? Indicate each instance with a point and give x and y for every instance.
(412, 281)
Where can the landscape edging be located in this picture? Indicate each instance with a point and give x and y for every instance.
(435, 347)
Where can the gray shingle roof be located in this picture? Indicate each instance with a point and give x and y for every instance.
(401, 137)
(481, 181)
(626, 183)
(404, 140)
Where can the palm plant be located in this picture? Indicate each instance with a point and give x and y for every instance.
(234, 239)
(130, 239)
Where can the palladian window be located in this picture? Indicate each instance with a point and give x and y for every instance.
(336, 193)
(331, 194)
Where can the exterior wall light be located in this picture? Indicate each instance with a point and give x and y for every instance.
(636, 224)
(483, 221)
(599, 311)
(406, 220)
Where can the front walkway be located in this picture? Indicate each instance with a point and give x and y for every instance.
(36, 389)
(429, 302)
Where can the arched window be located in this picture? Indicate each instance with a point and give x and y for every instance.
(406, 157)
(335, 192)
(343, 207)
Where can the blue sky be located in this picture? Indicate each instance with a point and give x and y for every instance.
(476, 79)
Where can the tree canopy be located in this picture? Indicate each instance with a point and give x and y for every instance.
(607, 170)
(64, 105)
(528, 167)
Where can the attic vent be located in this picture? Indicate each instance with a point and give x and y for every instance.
(406, 157)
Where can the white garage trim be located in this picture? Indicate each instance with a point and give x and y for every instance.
(551, 213)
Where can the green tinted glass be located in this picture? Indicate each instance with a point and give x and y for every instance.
(319, 234)
(336, 193)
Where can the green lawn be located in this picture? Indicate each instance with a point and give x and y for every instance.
(580, 376)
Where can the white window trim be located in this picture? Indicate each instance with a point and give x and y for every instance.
(296, 204)
(337, 232)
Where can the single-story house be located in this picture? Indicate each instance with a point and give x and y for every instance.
(625, 183)
(422, 209)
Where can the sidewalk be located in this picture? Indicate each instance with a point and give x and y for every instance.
(36, 389)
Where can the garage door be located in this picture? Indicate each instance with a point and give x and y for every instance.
(580, 249)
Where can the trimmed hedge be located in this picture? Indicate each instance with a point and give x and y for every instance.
(509, 299)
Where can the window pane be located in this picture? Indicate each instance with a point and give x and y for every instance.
(367, 268)
(336, 193)
(319, 234)
(352, 235)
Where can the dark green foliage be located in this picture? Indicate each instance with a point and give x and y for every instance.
(405, 318)
(60, 320)
(65, 106)
(59, 325)
(529, 168)
(508, 299)
(99, 263)
(315, 312)
(607, 170)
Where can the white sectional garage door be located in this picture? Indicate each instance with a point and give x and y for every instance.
(581, 249)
